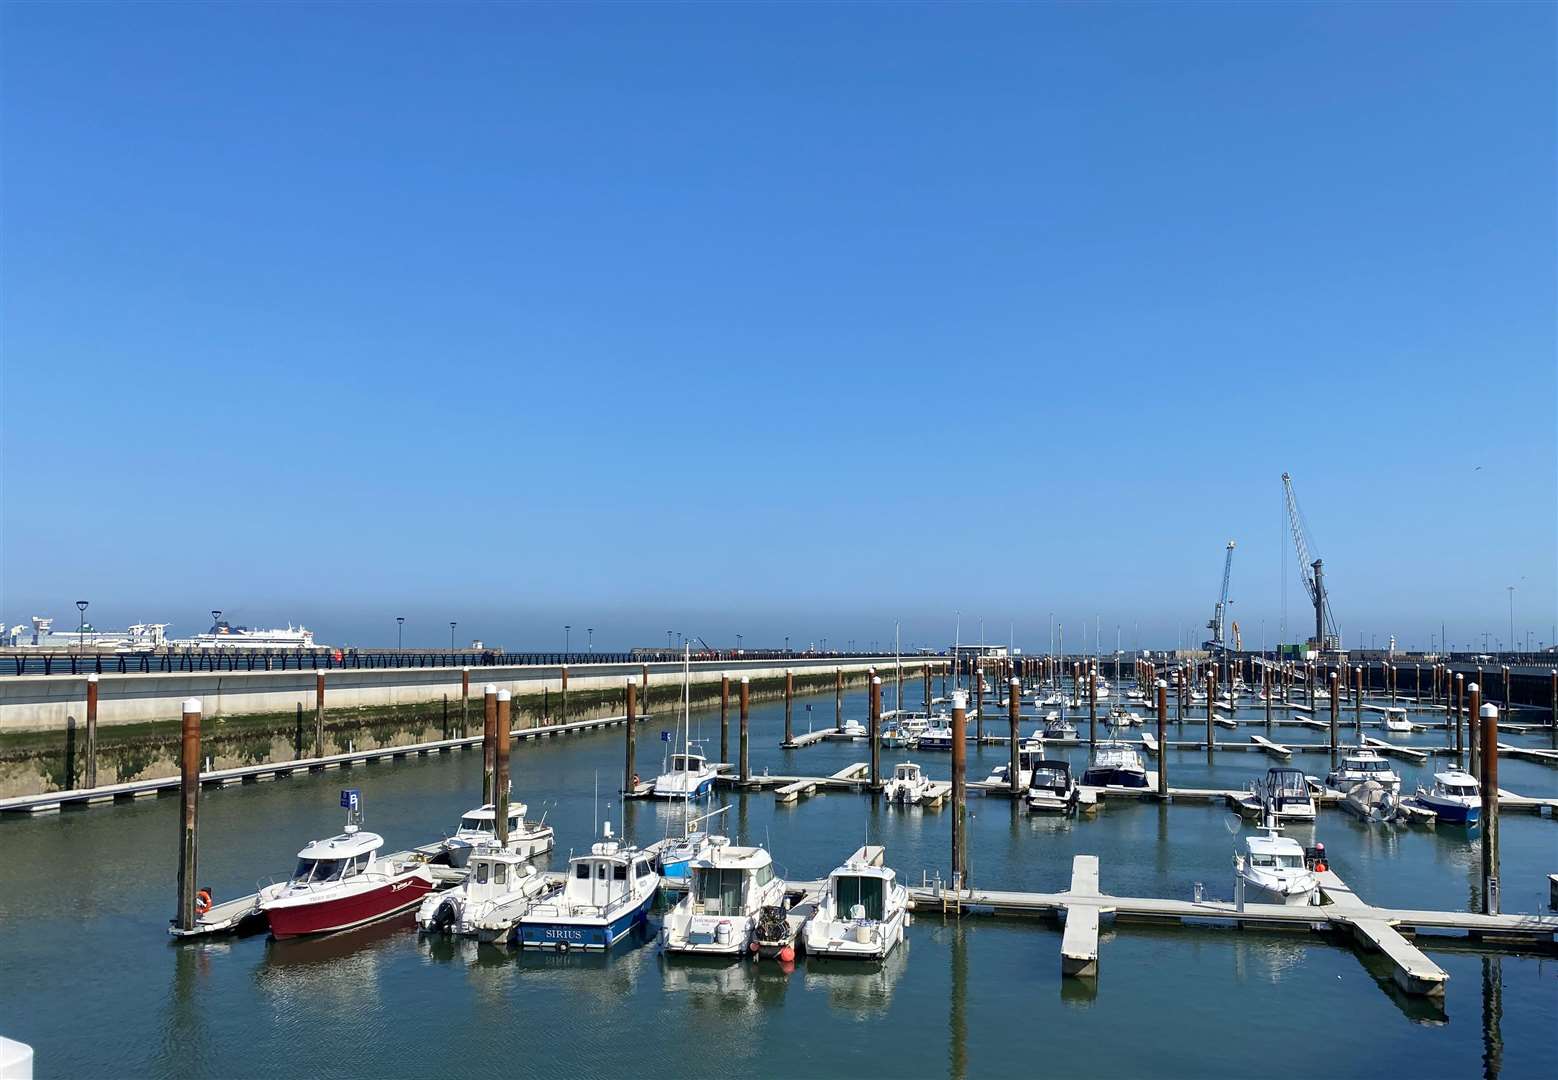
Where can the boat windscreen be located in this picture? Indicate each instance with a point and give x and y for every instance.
(865, 891)
(720, 890)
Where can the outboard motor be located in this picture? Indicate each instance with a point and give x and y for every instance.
(445, 916)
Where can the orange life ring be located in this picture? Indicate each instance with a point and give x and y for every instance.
(202, 901)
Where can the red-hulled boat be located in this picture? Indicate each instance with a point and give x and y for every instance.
(340, 883)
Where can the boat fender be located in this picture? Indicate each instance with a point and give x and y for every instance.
(203, 900)
(786, 955)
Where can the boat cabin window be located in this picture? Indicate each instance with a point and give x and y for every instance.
(765, 874)
(317, 870)
(582, 871)
(865, 891)
(1373, 766)
(686, 763)
(640, 869)
(1292, 862)
(619, 872)
(481, 873)
(720, 890)
(1461, 789)
(600, 871)
(471, 823)
(1262, 859)
(500, 873)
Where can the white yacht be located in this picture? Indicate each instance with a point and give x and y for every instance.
(499, 888)
(727, 891)
(1283, 795)
(1115, 764)
(909, 784)
(1058, 727)
(1360, 765)
(854, 729)
(1026, 757)
(1455, 797)
(688, 776)
(862, 913)
(607, 893)
(937, 736)
(1396, 719)
(478, 829)
(1053, 790)
(1272, 868)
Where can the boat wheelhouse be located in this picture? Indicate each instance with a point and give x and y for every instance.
(478, 829)
(862, 912)
(688, 775)
(498, 888)
(1052, 789)
(727, 890)
(606, 894)
(1456, 797)
(1115, 764)
(909, 784)
(1359, 766)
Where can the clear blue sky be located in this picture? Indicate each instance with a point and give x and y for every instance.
(778, 320)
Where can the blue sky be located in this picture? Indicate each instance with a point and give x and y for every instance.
(778, 320)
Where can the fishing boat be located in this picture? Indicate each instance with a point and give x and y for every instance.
(499, 887)
(606, 894)
(1057, 726)
(727, 890)
(1455, 797)
(862, 912)
(936, 736)
(1360, 765)
(1272, 867)
(909, 784)
(342, 882)
(1027, 756)
(688, 776)
(1115, 764)
(527, 839)
(1283, 794)
(1053, 790)
(1396, 719)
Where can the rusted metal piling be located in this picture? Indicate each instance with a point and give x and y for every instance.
(90, 779)
(745, 706)
(189, 817)
(979, 701)
(1265, 690)
(489, 742)
(724, 717)
(630, 710)
(838, 699)
(564, 671)
(465, 702)
(1335, 706)
(789, 706)
(1092, 708)
(959, 791)
(1474, 726)
(1489, 783)
(1357, 701)
(500, 769)
(1013, 710)
(1162, 740)
(319, 713)
(1211, 704)
(927, 689)
(1453, 704)
(874, 730)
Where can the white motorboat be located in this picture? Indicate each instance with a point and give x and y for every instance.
(909, 784)
(1456, 797)
(342, 882)
(1053, 699)
(1026, 757)
(862, 912)
(1053, 790)
(936, 736)
(688, 776)
(1360, 765)
(607, 893)
(1058, 727)
(728, 889)
(1371, 801)
(1396, 720)
(1283, 794)
(903, 728)
(499, 887)
(1273, 871)
(527, 839)
(854, 729)
(1115, 764)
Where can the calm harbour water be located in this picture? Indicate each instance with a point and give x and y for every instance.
(91, 980)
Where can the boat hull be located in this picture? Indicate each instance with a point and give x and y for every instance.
(1256, 893)
(676, 791)
(1452, 813)
(1109, 776)
(332, 914)
(565, 934)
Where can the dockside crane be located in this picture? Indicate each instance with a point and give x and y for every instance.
(1215, 623)
(1312, 571)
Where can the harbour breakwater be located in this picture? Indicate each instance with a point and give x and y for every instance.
(265, 717)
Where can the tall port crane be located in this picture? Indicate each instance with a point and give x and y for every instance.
(1215, 623)
(1312, 571)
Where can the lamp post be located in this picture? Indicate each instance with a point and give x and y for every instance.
(738, 642)
(452, 625)
(567, 640)
(216, 617)
(81, 626)
(400, 626)
(787, 644)
(590, 632)
(1512, 644)
(668, 634)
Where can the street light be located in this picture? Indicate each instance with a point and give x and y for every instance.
(400, 626)
(1511, 589)
(668, 645)
(590, 630)
(738, 642)
(81, 627)
(787, 644)
(567, 640)
(452, 625)
(216, 617)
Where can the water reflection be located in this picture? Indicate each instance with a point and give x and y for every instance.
(864, 988)
(957, 1020)
(1493, 1017)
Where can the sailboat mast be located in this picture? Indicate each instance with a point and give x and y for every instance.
(686, 736)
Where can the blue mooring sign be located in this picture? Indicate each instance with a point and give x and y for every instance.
(349, 798)
(665, 736)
